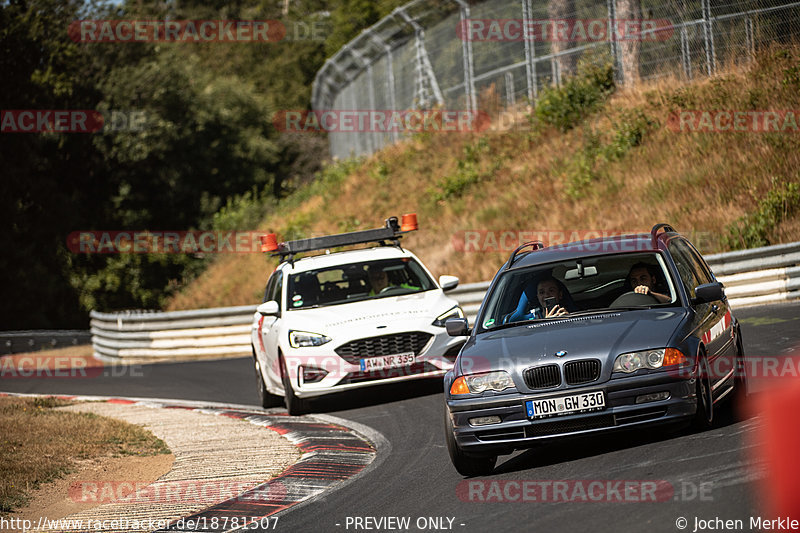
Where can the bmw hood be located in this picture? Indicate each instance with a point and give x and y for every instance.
(599, 336)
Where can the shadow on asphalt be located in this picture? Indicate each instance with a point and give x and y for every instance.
(377, 395)
(574, 448)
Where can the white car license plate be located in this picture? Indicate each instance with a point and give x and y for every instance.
(564, 405)
(397, 360)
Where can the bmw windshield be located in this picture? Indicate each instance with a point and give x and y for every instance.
(592, 284)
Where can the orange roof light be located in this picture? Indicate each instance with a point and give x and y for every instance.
(269, 242)
(409, 222)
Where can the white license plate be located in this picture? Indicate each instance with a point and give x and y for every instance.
(397, 360)
(564, 405)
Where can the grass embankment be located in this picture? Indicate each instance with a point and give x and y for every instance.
(39, 444)
(590, 157)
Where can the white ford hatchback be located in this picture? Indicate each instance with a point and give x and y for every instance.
(344, 320)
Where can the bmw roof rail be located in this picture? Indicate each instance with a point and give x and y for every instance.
(661, 226)
(392, 231)
(534, 245)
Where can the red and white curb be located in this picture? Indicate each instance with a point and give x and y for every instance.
(334, 452)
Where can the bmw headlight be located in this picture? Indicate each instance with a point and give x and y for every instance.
(475, 383)
(455, 312)
(652, 359)
(302, 339)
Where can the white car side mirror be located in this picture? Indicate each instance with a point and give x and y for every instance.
(269, 308)
(448, 282)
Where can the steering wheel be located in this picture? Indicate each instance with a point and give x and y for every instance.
(633, 298)
(389, 288)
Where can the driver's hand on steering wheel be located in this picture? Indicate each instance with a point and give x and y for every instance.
(642, 289)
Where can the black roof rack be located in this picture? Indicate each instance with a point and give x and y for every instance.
(654, 232)
(535, 245)
(391, 232)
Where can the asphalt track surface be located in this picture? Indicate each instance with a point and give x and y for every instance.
(712, 474)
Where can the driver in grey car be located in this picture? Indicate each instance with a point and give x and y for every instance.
(642, 278)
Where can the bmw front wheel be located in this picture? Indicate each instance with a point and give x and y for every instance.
(466, 465)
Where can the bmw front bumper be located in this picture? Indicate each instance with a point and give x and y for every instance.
(516, 430)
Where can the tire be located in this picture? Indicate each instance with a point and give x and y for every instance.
(738, 403)
(265, 398)
(296, 406)
(704, 416)
(466, 465)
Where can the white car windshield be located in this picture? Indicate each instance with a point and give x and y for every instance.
(356, 282)
(608, 282)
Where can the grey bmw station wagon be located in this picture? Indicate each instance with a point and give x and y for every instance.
(587, 337)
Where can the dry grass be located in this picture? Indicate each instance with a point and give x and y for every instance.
(532, 180)
(39, 444)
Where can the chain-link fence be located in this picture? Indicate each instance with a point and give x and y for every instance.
(455, 54)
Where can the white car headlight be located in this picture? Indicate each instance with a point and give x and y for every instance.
(302, 339)
(633, 361)
(455, 312)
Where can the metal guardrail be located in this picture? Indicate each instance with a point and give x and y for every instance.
(764, 275)
(37, 339)
(751, 277)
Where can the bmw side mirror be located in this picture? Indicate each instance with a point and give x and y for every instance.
(448, 282)
(270, 308)
(457, 327)
(708, 292)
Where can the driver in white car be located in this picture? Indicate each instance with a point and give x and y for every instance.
(379, 280)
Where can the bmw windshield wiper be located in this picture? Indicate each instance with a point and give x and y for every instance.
(598, 311)
(495, 327)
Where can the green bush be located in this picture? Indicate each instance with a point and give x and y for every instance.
(582, 170)
(754, 230)
(467, 174)
(244, 212)
(566, 106)
(628, 133)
